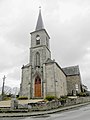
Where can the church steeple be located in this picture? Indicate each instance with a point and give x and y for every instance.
(40, 49)
(39, 25)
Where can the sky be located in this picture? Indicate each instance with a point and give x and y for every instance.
(67, 23)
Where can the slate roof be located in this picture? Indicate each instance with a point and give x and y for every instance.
(49, 61)
(25, 66)
(40, 24)
(72, 70)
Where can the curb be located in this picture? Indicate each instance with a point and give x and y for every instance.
(41, 112)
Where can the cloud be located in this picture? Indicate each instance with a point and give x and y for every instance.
(71, 36)
(67, 22)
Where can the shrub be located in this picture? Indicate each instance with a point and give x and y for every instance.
(7, 98)
(82, 94)
(23, 98)
(63, 99)
(50, 98)
(17, 96)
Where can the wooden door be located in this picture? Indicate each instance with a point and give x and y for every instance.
(37, 87)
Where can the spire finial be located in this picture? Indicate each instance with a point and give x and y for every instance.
(39, 7)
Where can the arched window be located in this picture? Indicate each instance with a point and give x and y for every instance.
(37, 40)
(37, 59)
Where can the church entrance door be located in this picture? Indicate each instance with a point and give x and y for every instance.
(37, 87)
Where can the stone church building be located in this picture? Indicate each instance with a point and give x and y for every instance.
(43, 76)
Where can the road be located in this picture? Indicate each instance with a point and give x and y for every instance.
(82, 113)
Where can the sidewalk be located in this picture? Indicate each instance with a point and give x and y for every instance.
(41, 112)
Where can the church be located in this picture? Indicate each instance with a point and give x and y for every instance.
(43, 76)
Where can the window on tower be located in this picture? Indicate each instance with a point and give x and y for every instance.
(37, 40)
(37, 59)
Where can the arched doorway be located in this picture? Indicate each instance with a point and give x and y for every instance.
(37, 87)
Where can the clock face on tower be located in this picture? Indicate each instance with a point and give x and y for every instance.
(37, 37)
(37, 40)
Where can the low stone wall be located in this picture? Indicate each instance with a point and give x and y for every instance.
(72, 101)
(42, 105)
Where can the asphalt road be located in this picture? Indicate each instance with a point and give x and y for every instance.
(82, 113)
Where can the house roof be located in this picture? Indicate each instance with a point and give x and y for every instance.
(72, 70)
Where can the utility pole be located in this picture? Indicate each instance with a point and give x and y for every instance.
(3, 87)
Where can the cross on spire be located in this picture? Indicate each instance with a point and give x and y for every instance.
(39, 7)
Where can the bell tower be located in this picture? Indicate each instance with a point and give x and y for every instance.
(40, 49)
(42, 76)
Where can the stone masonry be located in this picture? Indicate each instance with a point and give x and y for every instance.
(42, 76)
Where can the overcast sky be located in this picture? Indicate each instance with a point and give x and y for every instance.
(66, 21)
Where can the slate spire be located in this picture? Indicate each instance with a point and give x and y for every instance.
(39, 25)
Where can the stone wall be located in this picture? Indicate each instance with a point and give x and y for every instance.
(42, 33)
(77, 100)
(49, 80)
(44, 105)
(26, 81)
(42, 48)
(72, 81)
(61, 84)
(56, 104)
(55, 80)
